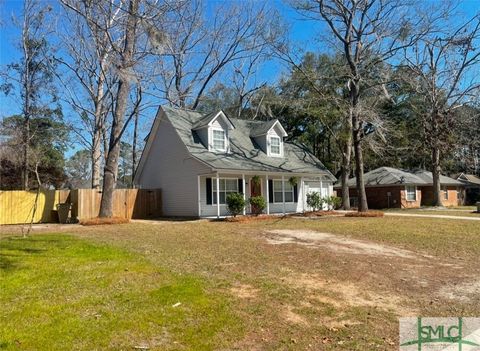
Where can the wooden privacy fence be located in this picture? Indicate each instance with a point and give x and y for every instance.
(16, 207)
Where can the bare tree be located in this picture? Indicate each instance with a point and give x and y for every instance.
(31, 76)
(136, 116)
(30, 79)
(196, 51)
(368, 34)
(237, 92)
(125, 71)
(327, 81)
(89, 58)
(444, 70)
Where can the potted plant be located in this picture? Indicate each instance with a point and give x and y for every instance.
(293, 181)
(256, 180)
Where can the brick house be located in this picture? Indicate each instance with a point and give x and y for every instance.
(472, 187)
(388, 187)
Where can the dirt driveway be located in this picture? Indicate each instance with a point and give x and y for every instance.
(419, 272)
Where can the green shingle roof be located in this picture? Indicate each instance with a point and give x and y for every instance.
(244, 153)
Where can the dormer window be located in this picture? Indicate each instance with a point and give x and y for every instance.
(269, 136)
(214, 131)
(218, 139)
(275, 146)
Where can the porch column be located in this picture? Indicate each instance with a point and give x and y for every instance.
(199, 198)
(321, 188)
(283, 193)
(266, 192)
(244, 191)
(218, 196)
(302, 192)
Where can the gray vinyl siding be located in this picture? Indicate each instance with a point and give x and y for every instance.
(203, 135)
(170, 168)
(262, 142)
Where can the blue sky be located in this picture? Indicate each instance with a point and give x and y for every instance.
(306, 33)
(301, 30)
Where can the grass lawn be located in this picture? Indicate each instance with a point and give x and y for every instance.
(266, 285)
(59, 292)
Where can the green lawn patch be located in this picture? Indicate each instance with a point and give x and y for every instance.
(58, 292)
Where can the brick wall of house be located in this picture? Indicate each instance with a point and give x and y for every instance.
(411, 204)
(453, 200)
(378, 197)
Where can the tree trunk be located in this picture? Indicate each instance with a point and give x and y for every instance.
(346, 163)
(357, 146)
(111, 164)
(97, 133)
(345, 169)
(26, 108)
(26, 140)
(437, 191)
(96, 158)
(356, 128)
(134, 146)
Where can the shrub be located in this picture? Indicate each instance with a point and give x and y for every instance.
(364, 214)
(333, 202)
(235, 203)
(258, 204)
(315, 201)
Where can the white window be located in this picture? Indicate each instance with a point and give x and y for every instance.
(445, 193)
(275, 145)
(277, 192)
(411, 191)
(227, 186)
(218, 140)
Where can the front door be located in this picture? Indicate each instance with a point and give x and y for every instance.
(255, 189)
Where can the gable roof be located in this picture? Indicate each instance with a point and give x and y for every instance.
(384, 176)
(208, 119)
(468, 178)
(244, 154)
(264, 127)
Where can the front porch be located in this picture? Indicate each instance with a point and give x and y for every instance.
(281, 195)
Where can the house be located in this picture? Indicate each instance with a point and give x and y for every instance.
(388, 187)
(197, 160)
(472, 187)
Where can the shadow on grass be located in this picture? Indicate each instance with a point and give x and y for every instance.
(7, 265)
(12, 249)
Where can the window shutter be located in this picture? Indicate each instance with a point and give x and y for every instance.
(270, 191)
(295, 192)
(209, 191)
(240, 186)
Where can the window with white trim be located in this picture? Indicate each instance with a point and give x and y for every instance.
(411, 191)
(445, 193)
(227, 186)
(275, 146)
(218, 140)
(277, 192)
